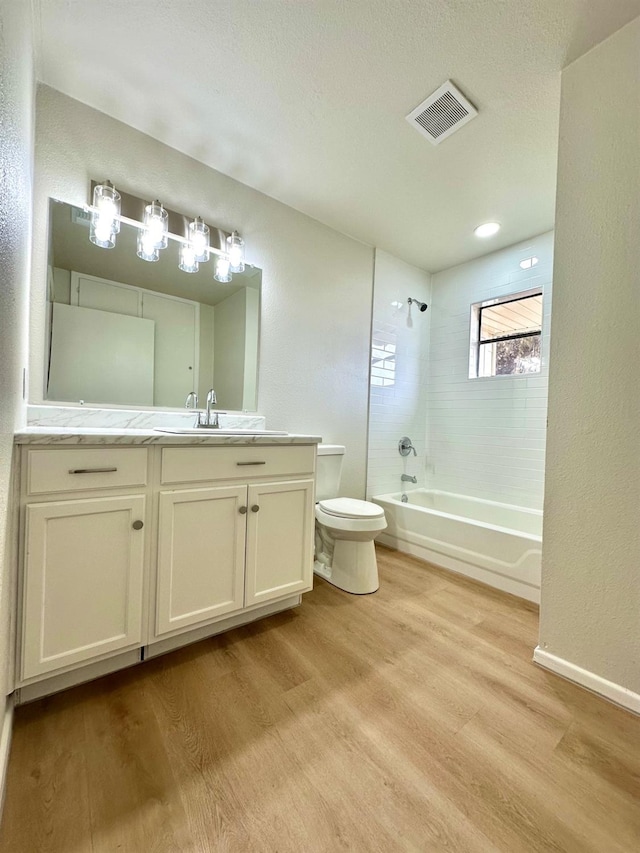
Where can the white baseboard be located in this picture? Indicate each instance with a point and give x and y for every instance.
(5, 747)
(595, 683)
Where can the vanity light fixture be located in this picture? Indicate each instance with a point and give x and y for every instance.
(223, 269)
(146, 249)
(487, 229)
(104, 217)
(199, 239)
(235, 248)
(527, 263)
(188, 258)
(156, 223)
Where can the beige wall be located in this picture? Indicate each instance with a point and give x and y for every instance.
(317, 284)
(591, 557)
(16, 153)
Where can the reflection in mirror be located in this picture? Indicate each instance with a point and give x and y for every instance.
(123, 331)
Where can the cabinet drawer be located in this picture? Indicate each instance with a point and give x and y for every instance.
(77, 470)
(201, 464)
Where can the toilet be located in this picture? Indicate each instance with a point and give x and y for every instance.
(345, 529)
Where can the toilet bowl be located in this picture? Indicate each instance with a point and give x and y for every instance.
(345, 529)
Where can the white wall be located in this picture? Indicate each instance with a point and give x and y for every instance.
(399, 409)
(486, 437)
(229, 349)
(16, 155)
(316, 293)
(251, 348)
(590, 613)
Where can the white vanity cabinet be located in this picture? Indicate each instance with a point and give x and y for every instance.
(83, 556)
(244, 539)
(201, 536)
(132, 548)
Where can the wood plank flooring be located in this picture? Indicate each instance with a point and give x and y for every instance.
(409, 720)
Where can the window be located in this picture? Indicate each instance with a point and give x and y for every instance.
(383, 356)
(505, 335)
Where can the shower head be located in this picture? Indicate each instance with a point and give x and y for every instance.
(421, 305)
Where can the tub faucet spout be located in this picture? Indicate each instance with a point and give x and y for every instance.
(407, 478)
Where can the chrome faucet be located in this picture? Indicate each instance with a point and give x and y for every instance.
(407, 478)
(207, 422)
(192, 400)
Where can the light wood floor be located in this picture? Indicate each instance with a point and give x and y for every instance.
(409, 720)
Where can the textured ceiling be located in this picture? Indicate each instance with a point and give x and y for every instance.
(306, 100)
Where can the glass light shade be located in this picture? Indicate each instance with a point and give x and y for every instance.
(156, 223)
(199, 239)
(188, 258)
(104, 216)
(101, 231)
(235, 248)
(223, 270)
(146, 249)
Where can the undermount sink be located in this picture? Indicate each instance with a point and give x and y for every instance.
(218, 431)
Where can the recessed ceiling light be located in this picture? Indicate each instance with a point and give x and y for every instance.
(527, 263)
(487, 229)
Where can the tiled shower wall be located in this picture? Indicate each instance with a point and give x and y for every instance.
(486, 437)
(400, 350)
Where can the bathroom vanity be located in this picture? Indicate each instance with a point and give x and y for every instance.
(135, 542)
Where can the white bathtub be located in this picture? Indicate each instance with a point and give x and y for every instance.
(495, 543)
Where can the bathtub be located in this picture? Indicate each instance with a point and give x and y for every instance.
(492, 542)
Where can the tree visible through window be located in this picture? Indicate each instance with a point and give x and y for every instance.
(507, 337)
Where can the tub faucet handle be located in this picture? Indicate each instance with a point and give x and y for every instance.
(405, 446)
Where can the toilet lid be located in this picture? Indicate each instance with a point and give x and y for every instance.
(351, 508)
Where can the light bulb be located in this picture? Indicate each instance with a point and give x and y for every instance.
(235, 248)
(156, 223)
(487, 229)
(223, 270)
(104, 217)
(188, 260)
(146, 248)
(199, 239)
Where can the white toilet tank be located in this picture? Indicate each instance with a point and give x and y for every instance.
(329, 469)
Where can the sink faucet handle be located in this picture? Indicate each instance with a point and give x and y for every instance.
(192, 400)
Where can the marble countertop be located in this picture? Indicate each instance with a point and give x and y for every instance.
(97, 435)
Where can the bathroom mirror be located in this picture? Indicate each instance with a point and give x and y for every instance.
(128, 332)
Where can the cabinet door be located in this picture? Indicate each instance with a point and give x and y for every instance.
(201, 545)
(279, 540)
(84, 565)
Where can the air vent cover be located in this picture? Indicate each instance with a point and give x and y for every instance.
(443, 112)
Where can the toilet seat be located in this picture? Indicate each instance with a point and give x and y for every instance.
(351, 508)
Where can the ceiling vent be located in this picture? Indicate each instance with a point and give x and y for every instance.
(444, 112)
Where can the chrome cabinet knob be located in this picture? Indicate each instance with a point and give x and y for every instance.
(255, 508)
(138, 525)
(242, 510)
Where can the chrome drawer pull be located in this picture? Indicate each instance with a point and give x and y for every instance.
(92, 470)
(251, 463)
